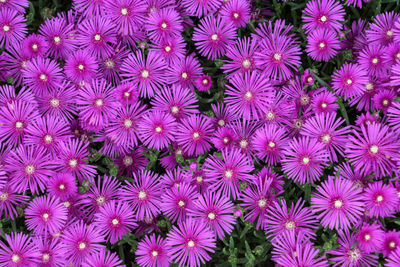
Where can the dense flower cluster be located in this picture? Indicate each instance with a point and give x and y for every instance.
(181, 121)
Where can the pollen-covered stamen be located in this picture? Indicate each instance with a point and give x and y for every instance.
(277, 56)
(61, 186)
(190, 243)
(379, 198)
(82, 245)
(43, 77)
(226, 140)
(45, 216)
(354, 254)
(128, 123)
(375, 60)
(236, 15)
(385, 102)
(324, 105)
(305, 160)
(145, 74)
(154, 253)
(35, 47)
(142, 195)
(270, 115)
(326, 138)
(6, 28)
(310, 79)
(97, 37)
(175, 110)
(243, 143)
(30, 169)
(323, 18)
(262, 203)
(374, 149)
(322, 45)
(57, 40)
(19, 125)
(211, 216)
(214, 37)
(196, 135)
(55, 102)
(367, 237)
(392, 244)
(289, 225)
(228, 174)
(205, 81)
(271, 144)
(167, 48)
(369, 87)
(221, 122)
(100, 200)
(45, 257)
(15, 258)
(124, 11)
(158, 129)
(199, 179)
(48, 139)
(115, 222)
(349, 81)
(248, 95)
(389, 33)
(181, 203)
(184, 75)
(99, 102)
(127, 94)
(164, 25)
(127, 160)
(3, 196)
(338, 203)
(305, 100)
(246, 63)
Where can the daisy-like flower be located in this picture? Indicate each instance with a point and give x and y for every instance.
(96, 104)
(20, 251)
(236, 12)
(72, 158)
(339, 202)
(9, 201)
(298, 219)
(171, 49)
(242, 57)
(327, 129)
(381, 31)
(143, 195)
(114, 219)
(213, 36)
(59, 36)
(257, 198)
(42, 75)
(371, 150)
(199, 8)
(244, 131)
(391, 242)
(286, 242)
(110, 66)
(184, 71)
(269, 143)
(152, 251)
(394, 116)
(323, 44)
(157, 129)
(15, 119)
(216, 211)
(323, 14)
(98, 35)
(127, 15)
(175, 100)
(104, 258)
(371, 59)
(45, 214)
(145, 72)
(190, 243)
(132, 162)
(12, 27)
(347, 171)
(193, 134)
(60, 102)
(51, 252)
(176, 201)
(226, 173)
(222, 115)
(81, 240)
(365, 101)
(13, 62)
(174, 178)
(350, 254)
(80, 67)
(324, 102)
(370, 237)
(394, 258)
(126, 93)
(381, 200)
(89, 8)
(304, 160)
(224, 138)
(383, 99)
(18, 5)
(9, 96)
(47, 132)
(350, 81)
(62, 186)
(248, 95)
(276, 180)
(203, 83)
(303, 255)
(29, 168)
(34, 45)
(164, 23)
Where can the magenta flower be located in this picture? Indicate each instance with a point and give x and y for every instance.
(371, 150)
(383, 99)
(34, 45)
(382, 30)
(143, 195)
(13, 27)
(104, 258)
(381, 200)
(126, 93)
(177, 200)
(323, 44)
(9, 201)
(393, 259)
(371, 59)
(45, 214)
(394, 116)
(303, 255)
(145, 72)
(89, 8)
(200, 7)
(51, 252)
(370, 237)
(190, 243)
(297, 219)
(269, 143)
(224, 138)
(391, 242)
(20, 251)
(323, 14)
(226, 173)
(216, 211)
(81, 240)
(304, 160)
(62, 186)
(18, 5)
(248, 95)
(164, 23)
(339, 202)
(29, 168)
(350, 81)
(171, 49)
(213, 36)
(244, 131)
(152, 251)
(194, 134)
(236, 12)
(114, 219)
(184, 71)
(132, 162)
(287, 242)
(328, 131)
(174, 178)
(81, 67)
(324, 102)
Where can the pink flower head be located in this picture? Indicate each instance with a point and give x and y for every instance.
(20, 251)
(236, 12)
(81, 67)
(200, 8)
(381, 200)
(350, 81)
(34, 45)
(152, 251)
(164, 23)
(323, 14)
(323, 44)
(12, 27)
(370, 237)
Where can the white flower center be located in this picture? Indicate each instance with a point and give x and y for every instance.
(19, 125)
(181, 203)
(305, 160)
(199, 179)
(349, 81)
(100, 200)
(128, 160)
(145, 74)
(158, 129)
(248, 96)
(211, 216)
(338, 203)
(277, 56)
(271, 144)
(4, 196)
(45, 257)
(289, 225)
(228, 174)
(221, 122)
(214, 37)
(379, 198)
(48, 139)
(142, 195)
(324, 105)
(115, 222)
(196, 135)
(243, 143)
(82, 245)
(167, 48)
(128, 123)
(46, 216)
(55, 102)
(184, 75)
(385, 102)
(246, 63)
(323, 18)
(57, 40)
(262, 203)
(97, 37)
(326, 138)
(190, 243)
(375, 60)
(81, 67)
(322, 45)
(6, 28)
(34, 47)
(374, 149)
(124, 11)
(164, 25)
(61, 186)
(15, 258)
(236, 15)
(99, 102)
(30, 169)
(392, 244)
(367, 237)
(43, 77)
(154, 253)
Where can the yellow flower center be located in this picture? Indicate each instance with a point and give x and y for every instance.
(34, 47)
(181, 203)
(277, 56)
(199, 179)
(158, 129)
(367, 237)
(55, 102)
(61, 186)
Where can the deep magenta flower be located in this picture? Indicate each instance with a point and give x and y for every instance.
(391, 241)
(89, 8)
(324, 102)
(371, 59)
(152, 251)
(394, 116)
(171, 49)
(18, 5)
(381, 31)
(51, 252)
(339, 202)
(370, 237)
(45, 214)
(213, 36)
(200, 7)
(227, 173)
(190, 243)
(350, 81)
(62, 186)
(12, 27)
(304, 160)
(104, 258)
(323, 14)
(394, 258)
(174, 178)
(20, 251)
(114, 219)
(304, 255)
(380, 200)
(383, 99)
(164, 23)
(132, 162)
(34, 45)
(81, 67)
(323, 44)
(184, 71)
(9, 201)
(224, 138)
(236, 12)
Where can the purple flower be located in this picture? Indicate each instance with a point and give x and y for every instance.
(227, 173)
(216, 211)
(323, 44)
(200, 7)
(81, 67)
(184, 71)
(370, 237)
(304, 255)
(114, 219)
(248, 95)
(9, 201)
(244, 131)
(34, 45)
(371, 59)
(174, 178)
(104, 258)
(143, 195)
(213, 36)
(393, 259)
(304, 160)
(382, 30)
(88, 8)
(394, 116)
(51, 252)
(323, 14)
(62, 186)
(152, 251)
(339, 202)
(190, 243)
(224, 138)
(18, 5)
(324, 102)
(79, 241)
(380, 199)
(13, 27)
(349, 81)
(236, 12)
(19, 252)
(132, 162)
(45, 214)
(391, 242)
(164, 23)
(171, 49)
